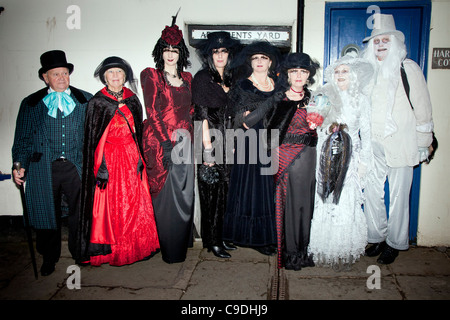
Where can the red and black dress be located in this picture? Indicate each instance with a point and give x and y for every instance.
(294, 182)
(119, 222)
(169, 118)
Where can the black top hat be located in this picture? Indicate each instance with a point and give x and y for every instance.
(54, 59)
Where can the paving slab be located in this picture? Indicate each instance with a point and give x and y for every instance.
(417, 274)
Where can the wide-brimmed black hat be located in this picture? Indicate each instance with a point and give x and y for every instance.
(115, 62)
(216, 40)
(300, 60)
(54, 59)
(242, 61)
(262, 47)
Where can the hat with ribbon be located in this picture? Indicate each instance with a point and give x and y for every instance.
(54, 59)
(384, 24)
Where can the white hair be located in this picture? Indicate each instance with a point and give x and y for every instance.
(391, 64)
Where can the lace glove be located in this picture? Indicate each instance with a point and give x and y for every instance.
(102, 175)
(207, 156)
(167, 154)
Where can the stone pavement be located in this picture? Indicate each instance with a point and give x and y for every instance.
(417, 274)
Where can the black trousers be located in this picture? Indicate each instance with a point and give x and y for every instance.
(65, 180)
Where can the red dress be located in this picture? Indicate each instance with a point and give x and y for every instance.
(123, 212)
(168, 108)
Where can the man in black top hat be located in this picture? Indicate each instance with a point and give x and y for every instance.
(48, 145)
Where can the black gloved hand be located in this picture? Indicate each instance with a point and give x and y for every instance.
(102, 175)
(253, 117)
(140, 167)
(167, 154)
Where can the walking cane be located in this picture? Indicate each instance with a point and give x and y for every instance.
(17, 166)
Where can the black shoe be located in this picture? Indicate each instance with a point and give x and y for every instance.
(228, 246)
(47, 268)
(388, 255)
(375, 249)
(266, 250)
(219, 252)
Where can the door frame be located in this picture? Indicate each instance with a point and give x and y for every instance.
(425, 6)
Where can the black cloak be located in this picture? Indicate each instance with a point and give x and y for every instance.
(101, 110)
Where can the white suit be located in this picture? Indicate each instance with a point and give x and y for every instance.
(398, 132)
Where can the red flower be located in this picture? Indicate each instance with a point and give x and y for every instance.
(172, 35)
(314, 120)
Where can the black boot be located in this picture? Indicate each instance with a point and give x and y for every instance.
(388, 255)
(219, 252)
(375, 249)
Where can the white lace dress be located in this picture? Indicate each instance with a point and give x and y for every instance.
(339, 232)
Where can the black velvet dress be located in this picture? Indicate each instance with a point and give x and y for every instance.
(211, 104)
(250, 216)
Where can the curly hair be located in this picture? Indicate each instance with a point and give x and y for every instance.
(158, 51)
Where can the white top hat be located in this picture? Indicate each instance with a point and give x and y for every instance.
(384, 24)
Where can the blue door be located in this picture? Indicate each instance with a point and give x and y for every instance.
(346, 27)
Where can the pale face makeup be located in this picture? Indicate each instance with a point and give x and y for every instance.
(342, 76)
(381, 46)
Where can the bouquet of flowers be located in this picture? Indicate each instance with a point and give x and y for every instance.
(317, 108)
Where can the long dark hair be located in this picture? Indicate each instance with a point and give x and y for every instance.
(158, 51)
(227, 74)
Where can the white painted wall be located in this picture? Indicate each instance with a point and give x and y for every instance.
(131, 28)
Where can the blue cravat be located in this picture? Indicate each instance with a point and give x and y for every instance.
(55, 100)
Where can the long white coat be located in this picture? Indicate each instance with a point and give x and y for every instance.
(405, 129)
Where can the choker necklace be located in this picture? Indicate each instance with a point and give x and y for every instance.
(299, 92)
(117, 95)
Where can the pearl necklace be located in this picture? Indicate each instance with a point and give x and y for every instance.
(267, 87)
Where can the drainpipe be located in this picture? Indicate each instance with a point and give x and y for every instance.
(300, 20)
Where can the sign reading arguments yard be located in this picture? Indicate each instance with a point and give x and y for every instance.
(279, 36)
